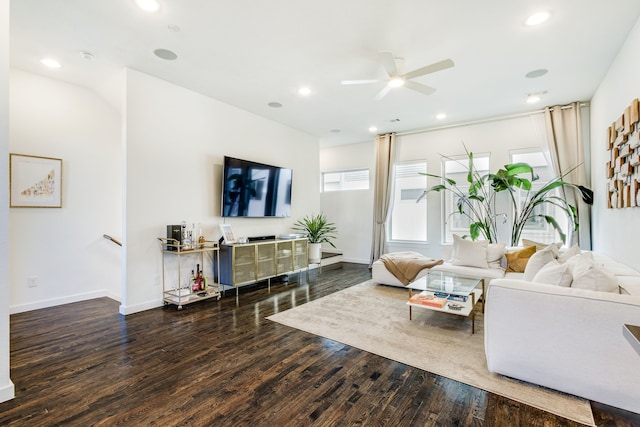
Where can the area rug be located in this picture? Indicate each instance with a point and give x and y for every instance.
(375, 318)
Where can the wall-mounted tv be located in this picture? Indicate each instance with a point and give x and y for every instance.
(252, 189)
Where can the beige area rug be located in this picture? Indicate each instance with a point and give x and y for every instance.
(375, 318)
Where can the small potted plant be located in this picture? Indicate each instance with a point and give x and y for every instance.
(318, 230)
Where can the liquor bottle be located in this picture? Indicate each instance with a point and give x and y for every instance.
(203, 285)
(196, 285)
(193, 282)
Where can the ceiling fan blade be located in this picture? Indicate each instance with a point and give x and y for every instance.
(438, 66)
(357, 82)
(382, 93)
(389, 63)
(427, 90)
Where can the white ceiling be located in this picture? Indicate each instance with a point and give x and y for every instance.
(248, 53)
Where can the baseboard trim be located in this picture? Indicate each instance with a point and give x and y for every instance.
(148, 305)
(21, 308)
(7, 392)
(356, 260)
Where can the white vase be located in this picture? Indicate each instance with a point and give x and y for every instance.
(315, 253)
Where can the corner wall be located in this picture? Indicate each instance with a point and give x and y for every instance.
(7, 390)
(616, 232)
(175, 141)
(63, 247)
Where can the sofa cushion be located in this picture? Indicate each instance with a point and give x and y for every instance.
(469, 253)
(631, 284)
(572, 251)
(588, 274)
(540, 246)
(539, 260)
(495, 252)
(554, 273)
(485, 273)
(517, 260)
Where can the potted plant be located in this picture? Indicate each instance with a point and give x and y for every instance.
(478, 202)
(317, 230)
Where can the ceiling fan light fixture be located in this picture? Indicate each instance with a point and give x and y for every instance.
(50, 63)
(396, 82)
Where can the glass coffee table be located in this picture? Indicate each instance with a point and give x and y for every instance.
(447, 292)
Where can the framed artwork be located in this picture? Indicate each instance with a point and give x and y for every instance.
(35, 182)
(227, 233)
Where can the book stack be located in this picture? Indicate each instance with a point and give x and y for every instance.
(450, 297)
(424, 298)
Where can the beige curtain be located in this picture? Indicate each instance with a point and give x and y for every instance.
(566, 146)
(385, 153)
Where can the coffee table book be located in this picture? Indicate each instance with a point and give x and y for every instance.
(424, 298)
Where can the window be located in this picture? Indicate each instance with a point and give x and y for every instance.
(456, 168)
(536, 227)
(345, 180)
(409, 217)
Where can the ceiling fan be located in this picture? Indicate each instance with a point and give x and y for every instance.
(397, 78)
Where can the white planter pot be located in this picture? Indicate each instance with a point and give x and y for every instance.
(315, 253)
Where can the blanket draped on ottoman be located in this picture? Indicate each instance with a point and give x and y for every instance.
(405, 266)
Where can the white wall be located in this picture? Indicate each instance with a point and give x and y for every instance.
(64, 247)
(616, 232)
(174, 147)
(6, 386)
(353, 210)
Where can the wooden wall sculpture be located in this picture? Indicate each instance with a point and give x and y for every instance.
(623, 167)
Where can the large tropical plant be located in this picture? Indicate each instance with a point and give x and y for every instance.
(518, 177)
(317, 229)
(477, 202)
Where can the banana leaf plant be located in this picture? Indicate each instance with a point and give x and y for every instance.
(477, 203)
(519, 177)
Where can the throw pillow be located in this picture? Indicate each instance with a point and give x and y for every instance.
(517, 260)
(539, 260)
(539, 246)
(587, 274)
(554, 273)
(495, 252)
(469, 253)
(573, 250)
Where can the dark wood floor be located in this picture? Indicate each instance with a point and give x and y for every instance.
(222, 363)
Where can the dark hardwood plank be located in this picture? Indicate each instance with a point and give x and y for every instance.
(222, 363)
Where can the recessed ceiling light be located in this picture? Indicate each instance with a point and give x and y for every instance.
(396, 82)
(87, 55)
(537, 18)
(51, 63)
(165, 54)
(304, 91)
(274, 105)
(441, 116)
(533, 98)
(536, 73)
(373, 129)
(150, 6)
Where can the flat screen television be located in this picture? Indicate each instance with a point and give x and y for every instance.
(252, 189)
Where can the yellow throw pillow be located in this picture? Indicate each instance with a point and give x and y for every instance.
(517, 260)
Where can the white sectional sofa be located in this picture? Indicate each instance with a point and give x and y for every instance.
(564, 338)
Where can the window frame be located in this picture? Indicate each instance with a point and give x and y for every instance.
(390, 239)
